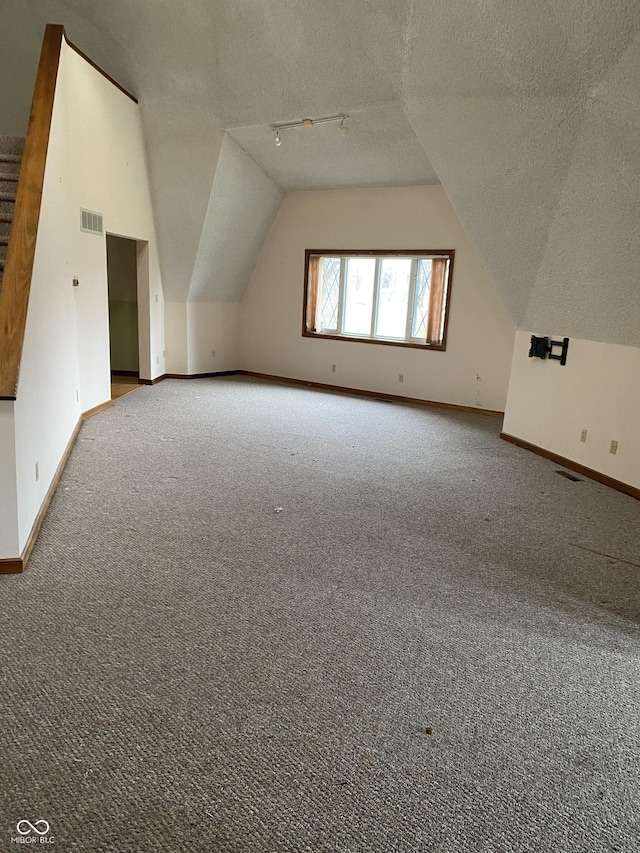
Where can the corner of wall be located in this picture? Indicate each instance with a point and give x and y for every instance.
(176, 337)
(213, 336)
(598, 390)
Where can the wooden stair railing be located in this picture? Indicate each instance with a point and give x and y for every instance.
(16, 282)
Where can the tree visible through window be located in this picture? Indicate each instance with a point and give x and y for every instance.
(385, 297)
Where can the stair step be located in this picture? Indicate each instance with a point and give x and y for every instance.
(10, 166)
(8, 187)
(10, 158)
(8, 172)
(12, 144)
(8, 197)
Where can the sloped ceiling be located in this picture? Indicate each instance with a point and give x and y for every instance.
(243, 203)
(375, 147)
(536, 144)
(527, 113)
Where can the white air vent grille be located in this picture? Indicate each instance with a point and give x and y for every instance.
(90, 221)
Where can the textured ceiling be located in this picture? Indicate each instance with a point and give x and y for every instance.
(375, 147)
(527, 113)
(242, 206)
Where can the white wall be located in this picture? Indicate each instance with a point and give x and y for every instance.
(473, 371)
(598, 390)
(213, 328)
(96, 160)
(8, 494)
(194, 330)
(175, 332)
(242, 206)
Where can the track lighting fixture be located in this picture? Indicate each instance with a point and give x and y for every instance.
(308, 122)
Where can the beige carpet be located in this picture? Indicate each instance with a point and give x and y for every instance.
(249, 602)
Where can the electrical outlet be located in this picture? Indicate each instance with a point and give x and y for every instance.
(37, 472)
(77, 396)
(213, 353)
(333, 368)
(401, 377)
(583, 435)
(157, 359)
(614, 447)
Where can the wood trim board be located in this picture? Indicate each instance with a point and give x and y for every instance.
(96, 409)
(202, 375)
(16, 281)
(100, 70)
(592, 474)
(326, 387)
(306, 333)
(16, 565)
(358, 392)
(189, 376)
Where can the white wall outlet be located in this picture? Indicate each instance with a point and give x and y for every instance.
(37, 472)
(583, 435)
(401, 377)
(614, 447)
(77, 396)
(157, 359)
(333, 368)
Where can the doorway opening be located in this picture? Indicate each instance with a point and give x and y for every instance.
(124, 341)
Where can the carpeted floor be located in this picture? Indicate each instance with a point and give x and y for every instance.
(250, 603)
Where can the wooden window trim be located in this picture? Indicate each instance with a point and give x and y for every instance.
(310, 300)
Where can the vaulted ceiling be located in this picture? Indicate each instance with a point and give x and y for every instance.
(527, 113)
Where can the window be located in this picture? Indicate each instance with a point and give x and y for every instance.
(398, 298)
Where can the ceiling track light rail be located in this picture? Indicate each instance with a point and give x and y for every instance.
(307, 122)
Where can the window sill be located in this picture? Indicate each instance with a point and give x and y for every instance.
(382, 341)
